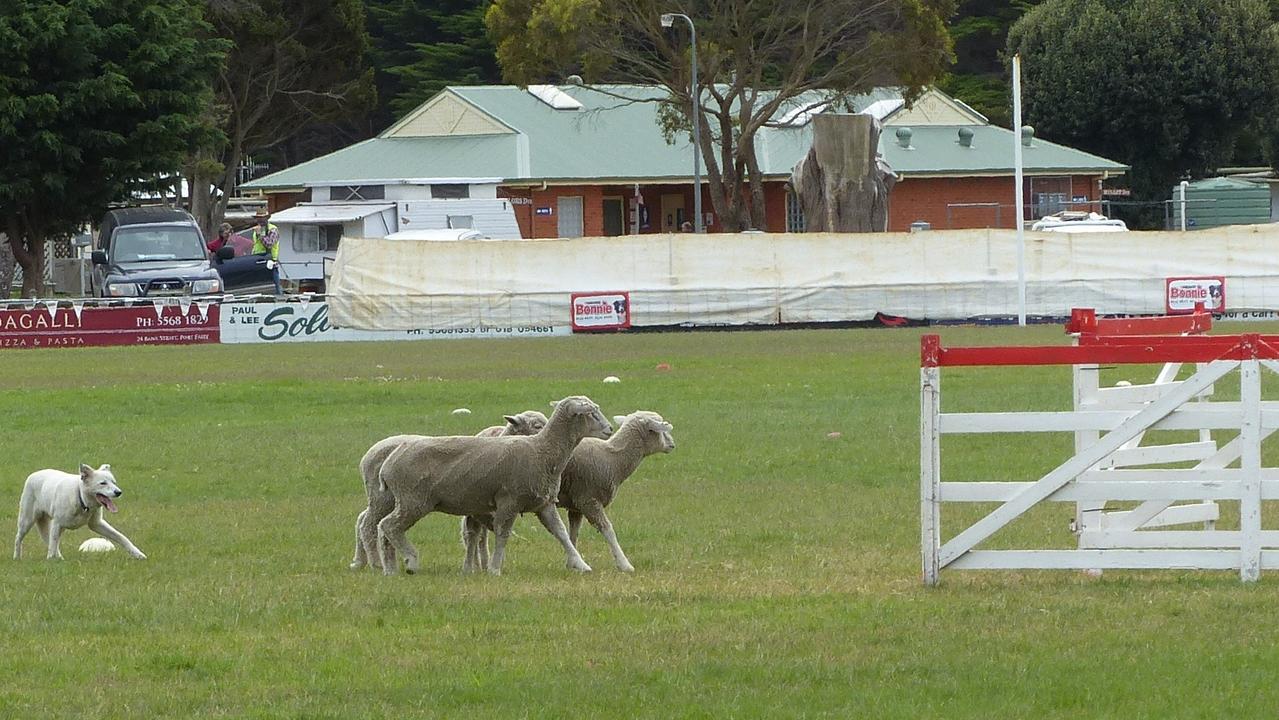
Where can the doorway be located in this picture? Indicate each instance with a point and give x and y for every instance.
(614, 217)
(570, 220)
(672, 212)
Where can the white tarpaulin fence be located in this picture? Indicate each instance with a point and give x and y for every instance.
(760, 278)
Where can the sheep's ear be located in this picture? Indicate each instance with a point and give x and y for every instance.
(555, 403)
(619, 419)
(105, 467)
(511, 420)
(86, 472)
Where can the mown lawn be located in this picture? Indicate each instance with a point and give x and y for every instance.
(777, 567)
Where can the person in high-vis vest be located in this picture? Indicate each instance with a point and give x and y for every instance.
(266, 241)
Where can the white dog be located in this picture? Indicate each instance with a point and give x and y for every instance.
(54, 501)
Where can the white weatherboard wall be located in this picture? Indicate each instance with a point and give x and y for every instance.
(737, 279)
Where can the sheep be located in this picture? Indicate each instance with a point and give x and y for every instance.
(529, 422)
(380, 503)
(497, 476)
(598, 468)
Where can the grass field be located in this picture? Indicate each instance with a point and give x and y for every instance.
(777, 568)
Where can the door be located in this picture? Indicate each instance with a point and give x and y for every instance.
(570, 220)
(672, 212)
(613, 217)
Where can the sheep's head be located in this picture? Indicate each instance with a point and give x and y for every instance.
(585, 414)
(653, 428)
(529, 422)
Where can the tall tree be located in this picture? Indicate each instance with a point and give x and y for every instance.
(1166, 86)
(96, 96)
(294, 63)
(980, 76)
(755, 57)
(420, 46)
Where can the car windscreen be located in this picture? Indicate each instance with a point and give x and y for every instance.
(157, 243)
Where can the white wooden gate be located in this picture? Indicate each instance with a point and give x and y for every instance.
(1109, 465)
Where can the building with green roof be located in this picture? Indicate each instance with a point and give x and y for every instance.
(581, 160)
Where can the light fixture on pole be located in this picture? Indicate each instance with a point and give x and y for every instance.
(668, 20)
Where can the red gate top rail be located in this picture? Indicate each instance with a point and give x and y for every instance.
(1109, 341)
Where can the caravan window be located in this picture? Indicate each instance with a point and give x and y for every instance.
(316, 238)
(450, 192)
(355, 193)
(461, 222)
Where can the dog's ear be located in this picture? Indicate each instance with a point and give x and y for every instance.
(86, 472)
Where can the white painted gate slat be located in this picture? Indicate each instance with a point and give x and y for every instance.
(1158, 513)
(1064, 473)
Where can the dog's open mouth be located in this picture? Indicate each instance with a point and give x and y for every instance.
(106, 502)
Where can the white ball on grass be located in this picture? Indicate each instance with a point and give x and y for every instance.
(612, 379)
(96, 545)
(462, 411)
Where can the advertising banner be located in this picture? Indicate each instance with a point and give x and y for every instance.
(309, 322)
(601, 311)
(1183, 292)
(47, 325)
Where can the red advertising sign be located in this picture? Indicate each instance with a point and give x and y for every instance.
(45, 326)
(1181, 294)
(601, 311)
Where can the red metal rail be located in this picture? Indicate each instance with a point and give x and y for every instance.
(1110, 341)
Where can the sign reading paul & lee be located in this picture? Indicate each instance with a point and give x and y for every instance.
(277, 322)
(601, 311)
(1181, 294)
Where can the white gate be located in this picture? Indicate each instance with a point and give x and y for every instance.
(1109, 465)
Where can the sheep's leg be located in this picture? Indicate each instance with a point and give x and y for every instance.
(472, 533)
(601, 522)
(381, 503)
(482, 548)
(502, 523)
(551, 521)
(361, 557)
(574, 525)
(391, 534)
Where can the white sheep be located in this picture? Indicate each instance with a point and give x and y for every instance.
(381, 502)
(497, 476)
(596, 470)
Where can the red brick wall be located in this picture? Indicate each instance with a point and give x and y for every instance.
(927, 199)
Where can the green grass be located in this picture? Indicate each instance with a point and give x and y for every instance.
(777, 568)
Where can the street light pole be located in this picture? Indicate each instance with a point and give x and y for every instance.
(668, 19)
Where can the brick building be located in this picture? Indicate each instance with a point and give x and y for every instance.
(576, 161)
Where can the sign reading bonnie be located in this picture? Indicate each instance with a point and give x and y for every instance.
(1183, 293)
(601, 311)
(277, 322)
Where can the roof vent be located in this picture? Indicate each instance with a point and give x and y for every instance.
(1027, 135)
(903, 137)
(554, 97)
(966, 137)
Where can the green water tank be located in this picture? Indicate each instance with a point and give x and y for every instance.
(1221, 201)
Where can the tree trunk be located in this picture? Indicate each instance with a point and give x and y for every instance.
(841, 184)
(31, 258)
(7, 265)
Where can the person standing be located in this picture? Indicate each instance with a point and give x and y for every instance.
(266, 241)
(222, 240)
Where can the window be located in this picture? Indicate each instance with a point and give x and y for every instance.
(570, 217)
(794, 212)
(461, 222)
(316, 238)
(358, 192)
(150, 243)
(450, 192)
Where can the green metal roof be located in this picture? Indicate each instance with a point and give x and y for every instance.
(616, 136)
(398, 159)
